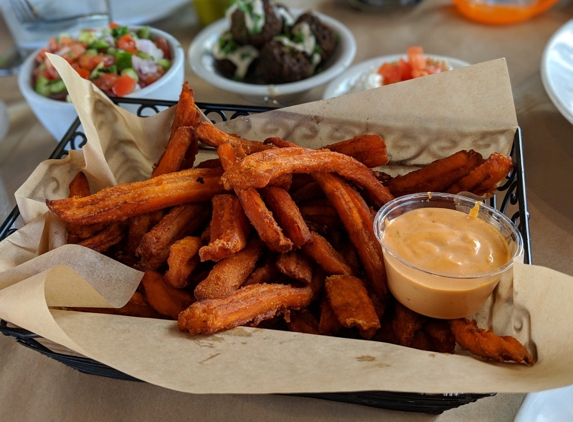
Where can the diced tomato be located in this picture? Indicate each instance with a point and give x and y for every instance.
(162, 44)
(73, 52)
(405, 70)
(106, 81)
(113, 25)
(127, 43)
(84, 73)
(41, 56)
(149, 78)
(416, 58)
(390, 73)
(123, 86)
(52, 44)
(89, 61)
(50, 71)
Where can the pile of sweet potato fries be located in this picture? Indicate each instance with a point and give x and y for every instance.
(273, 235)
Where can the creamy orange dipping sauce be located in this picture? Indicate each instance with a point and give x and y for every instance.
(446, 241)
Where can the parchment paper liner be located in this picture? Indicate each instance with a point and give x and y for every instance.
(421, 120)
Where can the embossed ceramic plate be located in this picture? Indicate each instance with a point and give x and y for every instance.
(557, 70)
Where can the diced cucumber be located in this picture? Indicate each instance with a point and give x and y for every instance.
(57, 86)
(143, 55)
(42, 86)
(144, 33)
(119, 31)
(131, 73)
(164, 63)
(91, 51)
(123, 59)
(87, 37)
(96, 71)
(99, 45)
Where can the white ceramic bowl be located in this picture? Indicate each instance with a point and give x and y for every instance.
(57, 116)
(203, 64)
(346, 81)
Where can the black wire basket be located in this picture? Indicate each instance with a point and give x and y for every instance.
(511, 200)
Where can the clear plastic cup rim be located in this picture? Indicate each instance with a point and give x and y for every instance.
(428, 197)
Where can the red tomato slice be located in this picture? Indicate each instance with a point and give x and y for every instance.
(127, 43)
(123, 86)
(106, 81)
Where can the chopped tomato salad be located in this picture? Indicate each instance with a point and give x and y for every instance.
(117, 60)
(415, 66)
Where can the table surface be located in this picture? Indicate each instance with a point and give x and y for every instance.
(35, 387)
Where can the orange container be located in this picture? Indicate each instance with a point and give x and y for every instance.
(493, 12)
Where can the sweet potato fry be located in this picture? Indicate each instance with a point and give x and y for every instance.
(266, 272)
(303, 321)
(328, 323)
(287, 214)
(488, 345)
(230, 273)
(229, 229)
(182, 260)
(255, 208)
(322, 252)
(139, 225)
(350, 303)
(369, 149)
(405, 324)
(256, 303)
(162, 297)
(321, 213)
(295, 265)
(186, 113)
(79, 186)
(111, 235)
(210, 135)
(436, 176)
(359, 224)
(308, 192)
(182, 142)
(177, 223)
(118, 203)
(257, 169)
(486, 177)
(440, 335)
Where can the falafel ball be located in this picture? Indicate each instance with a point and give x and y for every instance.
(273, 26)
(279, 64)
(325, 37)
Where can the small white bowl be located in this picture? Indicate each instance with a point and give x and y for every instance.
(203, 64)
(57, 116)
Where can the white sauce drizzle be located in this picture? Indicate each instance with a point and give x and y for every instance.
(242, 57)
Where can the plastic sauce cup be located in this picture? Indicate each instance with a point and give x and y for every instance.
(444, 295)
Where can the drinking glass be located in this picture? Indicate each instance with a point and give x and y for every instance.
(33, 22)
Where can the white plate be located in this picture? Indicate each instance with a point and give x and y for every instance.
(142, 12)
(203, 64)
(344, 83)
(550, 405)
(557, 70)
